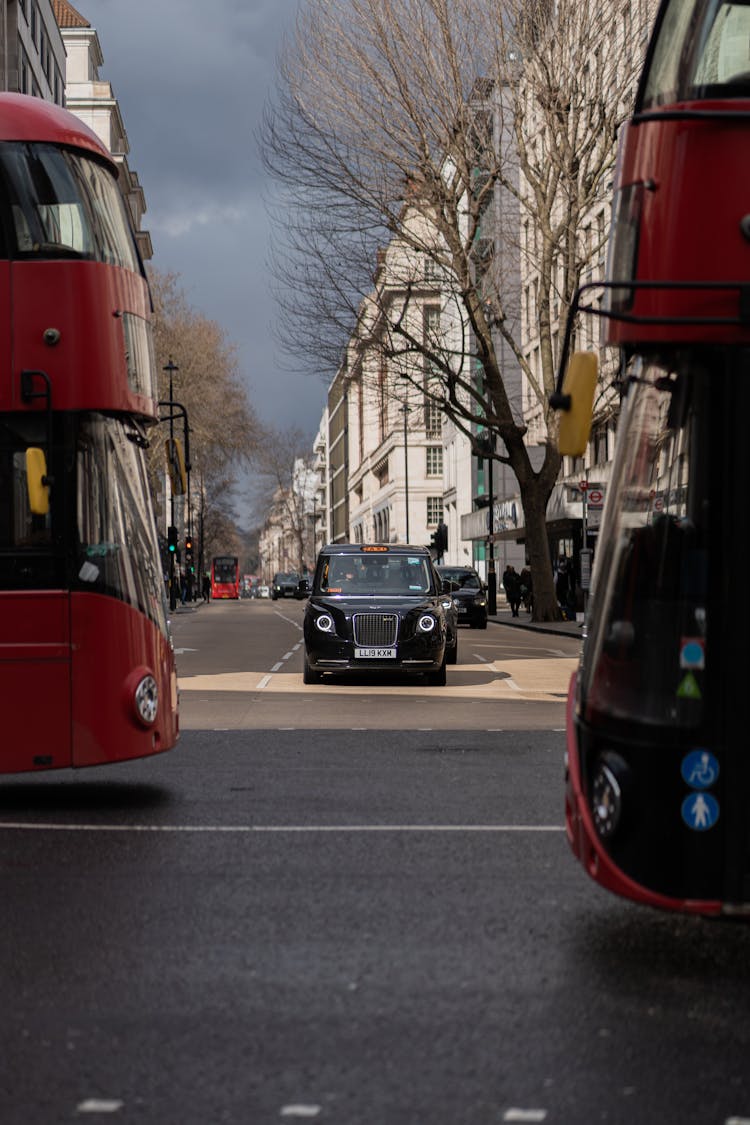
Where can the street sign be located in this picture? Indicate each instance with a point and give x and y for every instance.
(583, 485)
(596, 498)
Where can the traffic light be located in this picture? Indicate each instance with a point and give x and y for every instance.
(189, 558)
(172, 539)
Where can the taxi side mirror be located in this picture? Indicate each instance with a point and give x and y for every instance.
(577, 403)
(37, 482)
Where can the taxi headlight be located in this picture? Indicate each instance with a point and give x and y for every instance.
(324, 623)
(426, 623)
(146, 700)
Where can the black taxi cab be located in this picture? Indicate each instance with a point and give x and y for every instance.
(381, 607)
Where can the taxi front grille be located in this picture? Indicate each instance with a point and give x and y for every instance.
(375, 630)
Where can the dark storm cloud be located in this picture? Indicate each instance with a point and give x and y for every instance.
(191, 78)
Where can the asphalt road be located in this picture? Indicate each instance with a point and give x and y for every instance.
(379, 925)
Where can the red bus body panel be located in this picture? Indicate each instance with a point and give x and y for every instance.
(105, 727)
(694, 175)
(5, 340)
(84, 302)
(35, 674)
(73, 660)
(24, 118)
(225, 590)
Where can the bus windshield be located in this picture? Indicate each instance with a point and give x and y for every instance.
(702, 51)
(64, 205)
(651, 577)
(117, 551)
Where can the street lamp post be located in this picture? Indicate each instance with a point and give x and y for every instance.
(491, 576)
(486, 447)
(171, 368)
(405, 411)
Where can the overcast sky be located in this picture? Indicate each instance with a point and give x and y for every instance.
(191, 77)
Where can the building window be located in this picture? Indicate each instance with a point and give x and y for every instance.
(432, 271)
(433, 418)
(434, 466)
(434, 510)
(599, 442)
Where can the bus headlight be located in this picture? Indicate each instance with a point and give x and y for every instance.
(146, 700)
(608, 786)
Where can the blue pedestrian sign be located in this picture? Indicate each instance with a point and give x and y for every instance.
(700, 769)
(700, 811)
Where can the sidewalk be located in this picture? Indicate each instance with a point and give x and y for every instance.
(523, 621)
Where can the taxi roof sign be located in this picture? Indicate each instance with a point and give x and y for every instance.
(375, 549)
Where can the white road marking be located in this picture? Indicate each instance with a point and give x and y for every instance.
(288, 620)
(263, 683)
(276, 666)
(99, 1105)
(525, 1115)
(300, 1110)
(512, 684)
(287, 655)
(303, 829)
(179, 651)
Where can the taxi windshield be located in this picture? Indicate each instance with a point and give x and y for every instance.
(396, 575)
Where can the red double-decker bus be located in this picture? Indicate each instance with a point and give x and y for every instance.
(86, 661)
(658, 778)
(225, 577)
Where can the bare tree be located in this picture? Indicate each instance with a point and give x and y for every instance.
(224, 430)
(285, 489)
(496, 124)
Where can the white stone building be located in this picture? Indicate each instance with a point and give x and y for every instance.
(92, 100)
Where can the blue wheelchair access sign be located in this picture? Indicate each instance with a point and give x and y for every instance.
(700, 769)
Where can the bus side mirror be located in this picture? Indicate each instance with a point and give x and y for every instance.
(577, 403)
(37, 482)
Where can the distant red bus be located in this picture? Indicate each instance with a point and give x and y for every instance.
(85, 653)
(225, 577)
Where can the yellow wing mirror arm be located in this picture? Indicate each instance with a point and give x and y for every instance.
(576, 402)
(37, 481)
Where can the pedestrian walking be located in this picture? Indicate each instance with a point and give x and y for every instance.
(512, 587)
(206, 587)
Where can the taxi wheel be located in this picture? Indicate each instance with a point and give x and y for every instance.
(309, 675)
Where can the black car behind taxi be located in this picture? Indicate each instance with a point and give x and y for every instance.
(378, 607)
(469, 593)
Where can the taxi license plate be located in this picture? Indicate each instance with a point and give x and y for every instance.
(375, 653)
